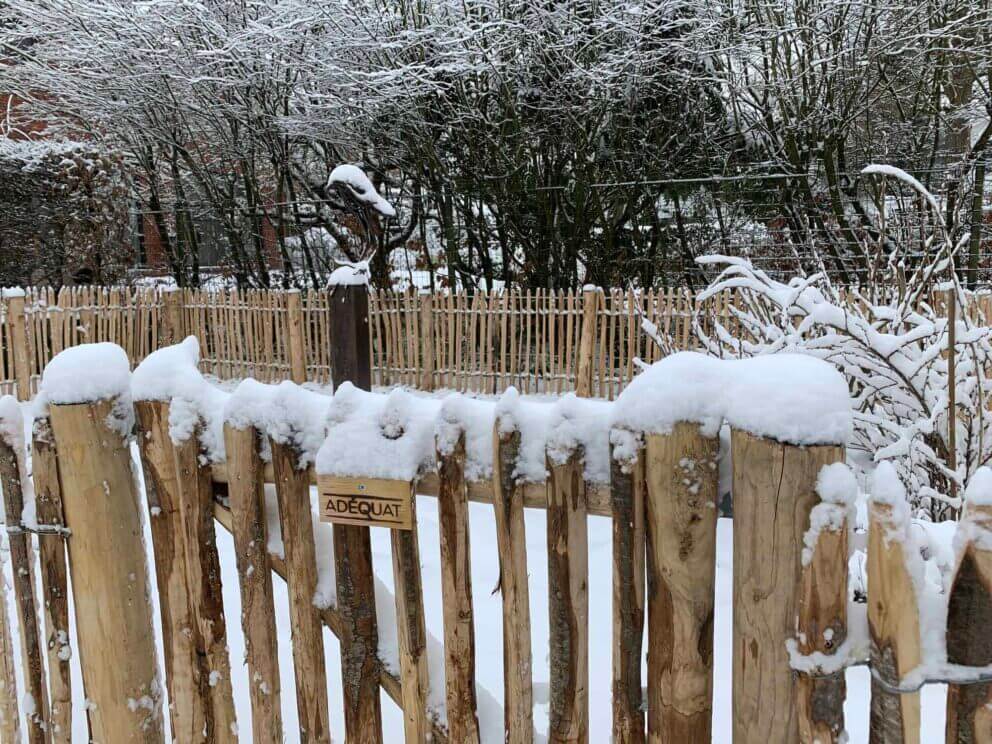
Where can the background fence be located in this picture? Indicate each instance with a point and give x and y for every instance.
(539, 341)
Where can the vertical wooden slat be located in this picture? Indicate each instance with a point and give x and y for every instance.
(427, 342)
(10, 717)
(255, 576)
(18, 334)
(627, 504)
(512, 547)
(54, 578)
(293, 491)
(587, 343)
(568, 594)
(294, 339)
(681, 478)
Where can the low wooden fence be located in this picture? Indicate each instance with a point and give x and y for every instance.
(539, 341)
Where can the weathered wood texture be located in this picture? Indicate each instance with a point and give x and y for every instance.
(969, 617)
(822, 628)
(258, 619)
(774, 492)
(568, 602)
(10, 717)
(456, 592)
(109, 574)
(681, 478)
(12, 475)
(894, 625)
(411, 632)
(518, 686)
(54, 578)
(293, 492)
(627, 489)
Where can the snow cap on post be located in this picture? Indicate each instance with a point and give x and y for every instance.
(11, 423)
(792, 398)
(350, 275)
(87, 373)
(361, 188)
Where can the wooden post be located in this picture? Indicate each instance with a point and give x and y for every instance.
(952, 419)
(969, 616)
(681, 478)
(258, 618)
(508, 504)
(10, 717)
(568, 594)
(19, 346)
(54, 578)
(109, 574)
(627, 502)
(894, 625)
(348, 308)
(295, 344)
(456, 592)
(172, 331)
(427, 342)
(12, 471)
(411, 631)
(774, 492)
(293, 492)
(587, 342)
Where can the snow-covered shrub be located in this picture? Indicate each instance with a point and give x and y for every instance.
(892, 343)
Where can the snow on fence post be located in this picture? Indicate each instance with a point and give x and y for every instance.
(19, 347)
(774, 493)
(54, 577)
(245, 482)
(13, 473)
(198, 681)
(681, 477)
(627, 502)
(456, 591)
(508, 505)
(348, 322)
(293, 494)
(295, 344)
(893, 612)
(88, 391)
(568, 593)
(969, 616)
(587, 342)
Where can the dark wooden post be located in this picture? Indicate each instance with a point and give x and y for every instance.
(350, 360)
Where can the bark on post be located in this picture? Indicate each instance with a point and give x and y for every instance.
(456, 591)
(20, 349)
(293, 492)
(54, 578)
(350, 360)
(12, 471)
(568, 593)
(969, 617)
(258, 620)
(587, 343)
(295, 345)
(109, 574)
(427, 342)
(172, 330)
(774, 492)
(10, 717)
(508, 504)
(681, 479)
(627, 501)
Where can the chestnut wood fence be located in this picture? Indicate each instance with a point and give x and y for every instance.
(539, 341)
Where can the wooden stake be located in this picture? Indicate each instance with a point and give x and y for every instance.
(427, 342)
(774, 492)
(627, 497)
(10, 717)
(293, 491)
(568, 593)
(19, 346)
(348, 312)
(587, 342)
(22, 563)
(54, 578)
(969, 616)
(109, 574)
(681, 477)
(456, 592)
(258, 619)
(172, 318)
(518, 692)
(294, 340)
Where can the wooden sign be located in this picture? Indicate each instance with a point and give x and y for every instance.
(367, 502)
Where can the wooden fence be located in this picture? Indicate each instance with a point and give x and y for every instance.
(538, 341)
